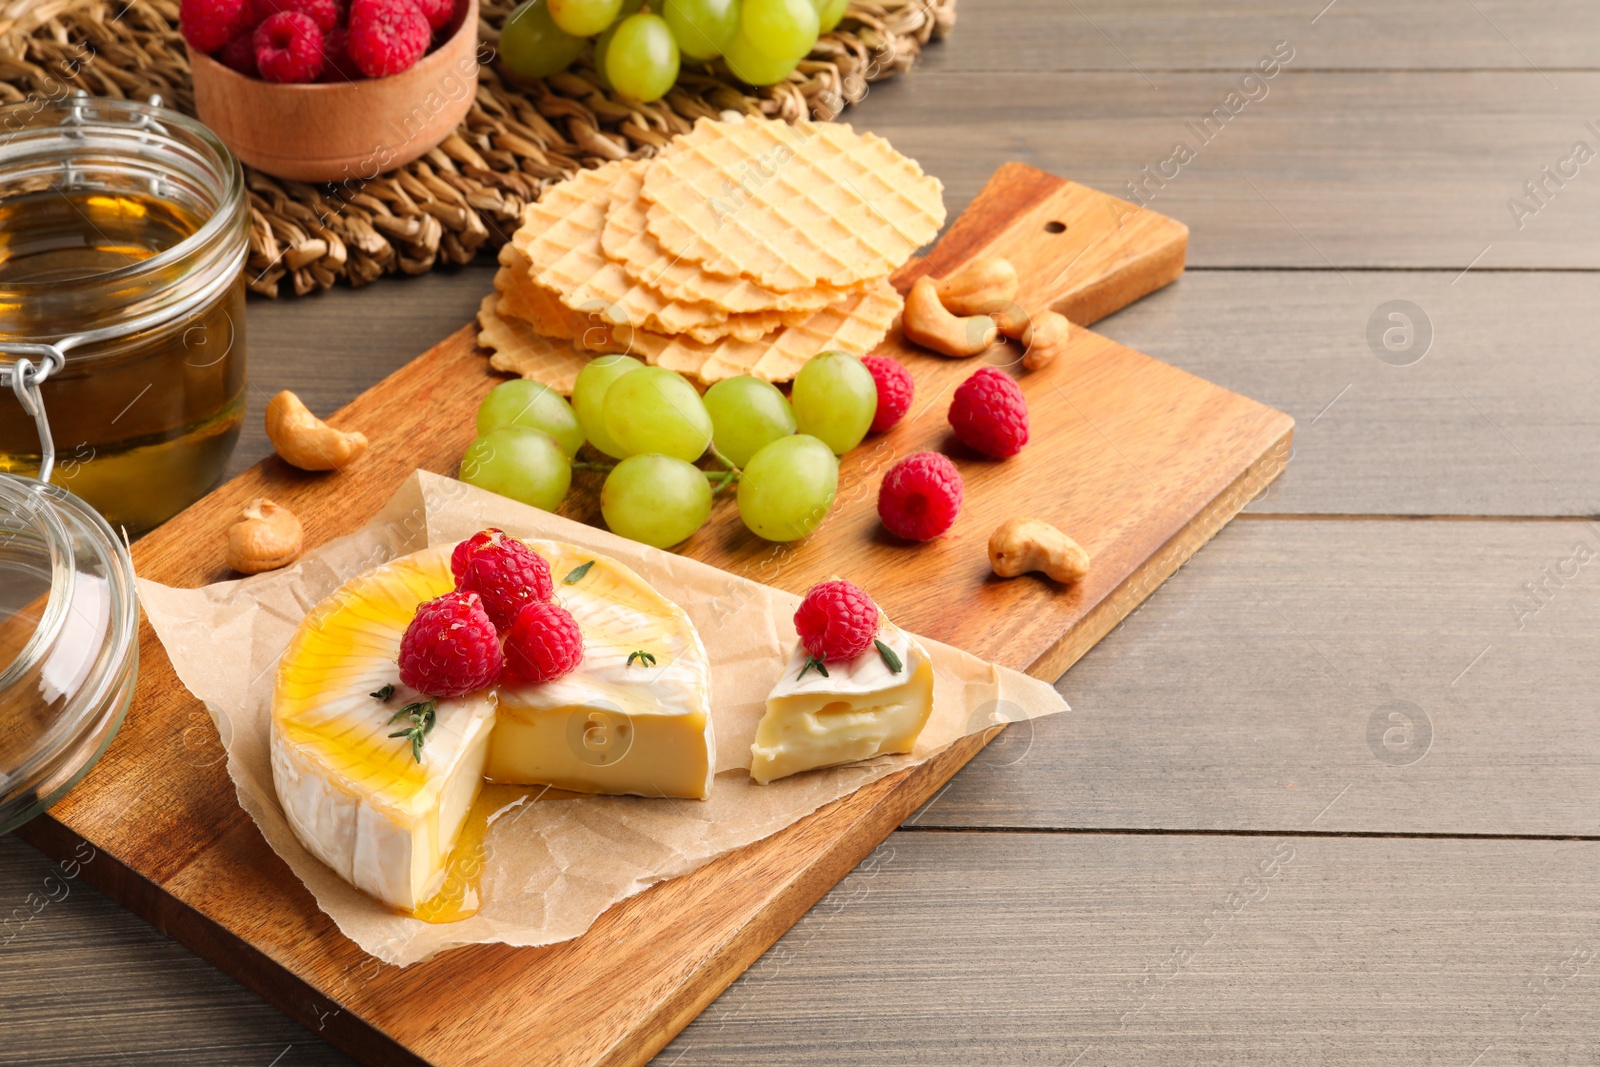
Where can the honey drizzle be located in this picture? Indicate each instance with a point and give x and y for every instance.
(460, 897)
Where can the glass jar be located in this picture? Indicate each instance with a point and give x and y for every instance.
(69, 648)
(123, 233)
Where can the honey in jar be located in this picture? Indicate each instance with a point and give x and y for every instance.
(123, 231)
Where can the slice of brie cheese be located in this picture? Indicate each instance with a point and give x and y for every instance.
(612, 726)
(860, 709)
(357, 798)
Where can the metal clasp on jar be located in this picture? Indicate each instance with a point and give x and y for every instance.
(19, 372)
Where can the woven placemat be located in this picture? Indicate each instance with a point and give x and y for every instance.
(469, 192)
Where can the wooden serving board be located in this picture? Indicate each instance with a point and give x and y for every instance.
(1139, 461)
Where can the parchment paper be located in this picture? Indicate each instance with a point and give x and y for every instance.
(554, 864)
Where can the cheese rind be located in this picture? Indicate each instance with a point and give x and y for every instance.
(860, 709)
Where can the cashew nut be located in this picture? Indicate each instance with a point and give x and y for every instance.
(1018, 546)
(1044, 339)
(979, 285)
(264, 537)
(927, 322)
(305, 441)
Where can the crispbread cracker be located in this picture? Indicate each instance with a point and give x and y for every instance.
(521, 296)
(531, 302)
(560, 236)
(521, 351)
(856, 325)
(790, 207)
(626, 240)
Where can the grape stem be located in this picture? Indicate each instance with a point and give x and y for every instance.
(728, 477)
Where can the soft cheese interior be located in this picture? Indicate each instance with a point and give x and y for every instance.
(860, 709)
(612, 726)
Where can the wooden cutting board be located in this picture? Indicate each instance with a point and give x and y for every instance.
(1139, 461)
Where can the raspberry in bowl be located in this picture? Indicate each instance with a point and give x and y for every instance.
(332, 90)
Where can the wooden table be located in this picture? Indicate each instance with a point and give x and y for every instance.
(1331, 794)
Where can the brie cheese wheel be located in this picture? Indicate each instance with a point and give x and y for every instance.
(360, 801)
(860, 709)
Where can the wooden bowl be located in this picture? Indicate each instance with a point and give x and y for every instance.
(344, 131)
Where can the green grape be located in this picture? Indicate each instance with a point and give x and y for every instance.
(657, 410)
(753, 66)
(519, 462)
(603, 42)
(829, 14)
(702, 27)
(589, 395)
(533, 46)
(584, 18)
(641, 59)
(747, 414)
(835, 398)
(521, 402)
(780, 28)
(655, 499)
(787, 488)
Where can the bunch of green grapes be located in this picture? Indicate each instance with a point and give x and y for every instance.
(778, 454)
(639, 51)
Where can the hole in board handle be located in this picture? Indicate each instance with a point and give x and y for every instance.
(1055, 227)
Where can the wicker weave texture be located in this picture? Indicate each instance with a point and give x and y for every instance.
(467, 193)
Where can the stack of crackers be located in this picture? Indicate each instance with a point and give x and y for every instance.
(746, 247)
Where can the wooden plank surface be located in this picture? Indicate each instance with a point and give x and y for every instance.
(1420, 951)
(1493, 410)
(1155, 36)
(1260, 682)
(1159, 460)
(1013, 950)
(1354, 169)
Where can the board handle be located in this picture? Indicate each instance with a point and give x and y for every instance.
(1077, 250)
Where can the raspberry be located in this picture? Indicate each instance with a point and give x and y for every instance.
(450, 648)
(464, 550)
(989, 414)
(506, 573)
(920, 496)
(240, 54)
(386, 36)
(325, 13)
(895, 390)
(289, 48)
(336, 63)
(437, 12)
(209, 24)
(836, 621)
(544, 643)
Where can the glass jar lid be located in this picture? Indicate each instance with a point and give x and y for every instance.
(69, 647)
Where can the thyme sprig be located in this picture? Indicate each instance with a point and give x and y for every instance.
(645, 658)
(422, 715)
(813, 663)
